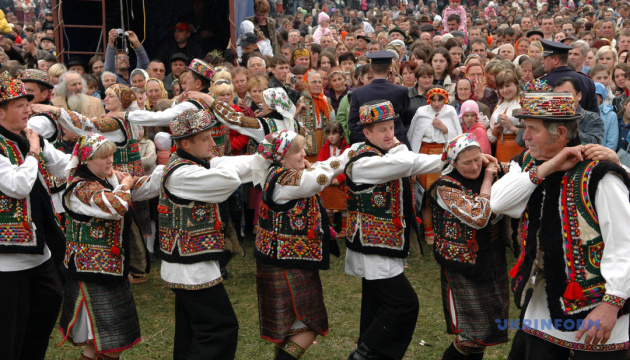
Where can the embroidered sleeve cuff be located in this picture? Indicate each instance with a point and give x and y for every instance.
(533, 177)
(33, 154)
(614, 300)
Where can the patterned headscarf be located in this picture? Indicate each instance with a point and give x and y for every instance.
(271, 150)
(437, 91)
(319, 100)
(456, 146)
(297, 53)
(164, 93)
(473, 96)
(85, 147)
(124, 94)
(277, 99)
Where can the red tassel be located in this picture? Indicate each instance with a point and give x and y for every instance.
(516, 267)
(115, 250)
(217, 225)
(573, 291)
(333, 233)
(311, 233)
(418, 220)
(397, 223)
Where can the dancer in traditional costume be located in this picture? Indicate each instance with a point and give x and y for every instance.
(30, 287)
(98, 309)
(577, 211)
(380, 217)
(191, 237)
(468, 248)
(292, 244)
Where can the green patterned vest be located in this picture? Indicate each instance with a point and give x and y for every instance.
(567, 227)
(17, 229)
(376, 213)
(218, 130)
(189, 231)
(291, 235)
(127, 156)
(95, 247)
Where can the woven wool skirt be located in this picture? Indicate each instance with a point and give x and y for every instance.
(507, 148)
(472, 304)
(290, 302)
(100, 313)
(430, 149)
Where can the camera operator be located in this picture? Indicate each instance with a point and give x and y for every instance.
(118, 62)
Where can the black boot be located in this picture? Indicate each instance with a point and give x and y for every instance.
(365, 353)
(475, 356)
(283, 355)
(453, 354)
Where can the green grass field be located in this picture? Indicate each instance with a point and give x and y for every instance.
(342, 294)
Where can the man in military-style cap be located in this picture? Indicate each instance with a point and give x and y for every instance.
(555, 56)
(379, 88)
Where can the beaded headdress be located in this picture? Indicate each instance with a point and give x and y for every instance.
(190, 122)
(376, 111)
(37, 76)
(548, 106)
(11, 89)
(202, 68)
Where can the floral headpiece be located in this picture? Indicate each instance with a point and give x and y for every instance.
(437, 91)
(275, 145)
(124, 93)
(83, 151)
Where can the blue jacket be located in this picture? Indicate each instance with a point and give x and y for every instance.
(589, 100)
(376, 90)
(611, 133)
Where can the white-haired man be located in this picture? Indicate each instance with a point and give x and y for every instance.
(71, 96)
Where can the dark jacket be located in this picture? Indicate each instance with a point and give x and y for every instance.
(415, 101)
(589, 100)
(294, 95)
(379, 89)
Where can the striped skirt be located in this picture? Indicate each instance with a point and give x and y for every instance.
(100, 313)
(290, 301)
(472, 304)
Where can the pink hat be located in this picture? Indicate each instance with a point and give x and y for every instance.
(469, 106)
(322, 17)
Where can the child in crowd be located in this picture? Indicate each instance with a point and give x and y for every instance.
(469, 114)
(163, 144)
(607, 113)
(92, 86)
(527, 72)
(503, 129)
(454, 8)
(601, 73)
(334, 196)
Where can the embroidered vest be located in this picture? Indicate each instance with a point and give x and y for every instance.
(56, 185)
(189, 231)
(17, 229)
(377, 216)
(567, 227)
(96, 248)
(218, 130)
(127, 157)
(309, 121)
(295, 234)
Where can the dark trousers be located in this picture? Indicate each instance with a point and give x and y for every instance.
(539, 349)
(389, 311)
(29, 306)
(205, 324)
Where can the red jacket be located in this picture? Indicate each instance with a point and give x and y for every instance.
(324, 154)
